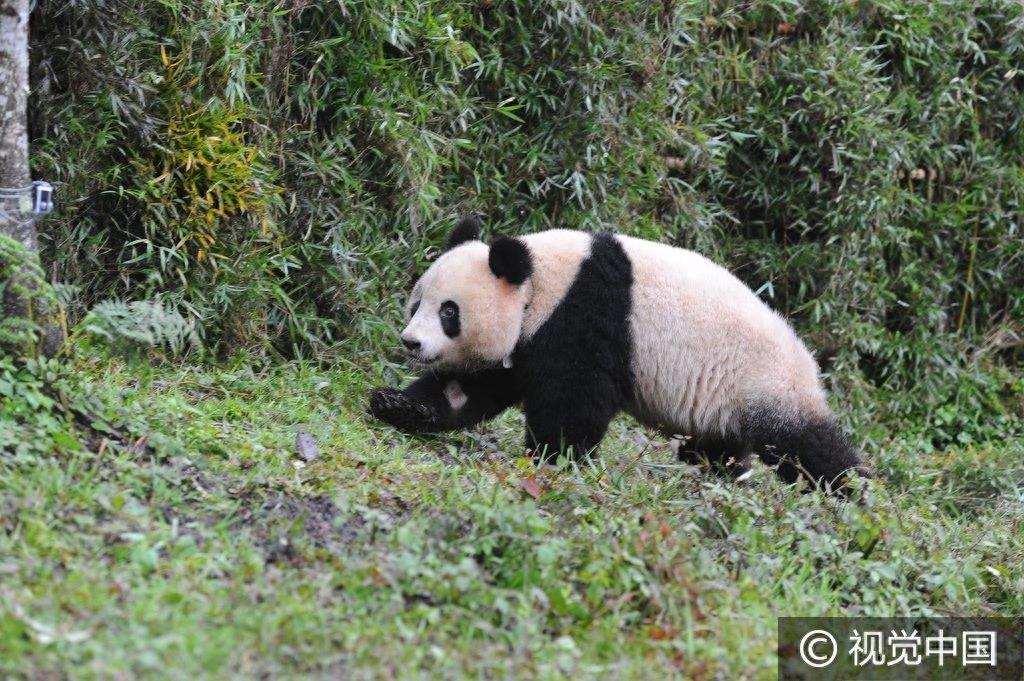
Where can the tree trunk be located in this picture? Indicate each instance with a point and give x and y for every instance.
(30, 320)
(15, 218)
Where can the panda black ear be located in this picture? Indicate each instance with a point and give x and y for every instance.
(510, 259)
(467, 229)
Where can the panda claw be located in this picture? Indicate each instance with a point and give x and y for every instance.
(383, 399)
(394, 407)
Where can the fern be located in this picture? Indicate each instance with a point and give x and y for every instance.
(30, 319)
(141, 325)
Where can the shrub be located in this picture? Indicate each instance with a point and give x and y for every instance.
(278, 170)
(30, 318)
(141, 325)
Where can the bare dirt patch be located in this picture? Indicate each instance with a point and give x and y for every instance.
(281, 524)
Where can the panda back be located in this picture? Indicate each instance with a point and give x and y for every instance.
(705, 347)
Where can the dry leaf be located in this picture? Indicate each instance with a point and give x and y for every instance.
(305, 447)
(139, 446)
(661, 633)
(530, 486)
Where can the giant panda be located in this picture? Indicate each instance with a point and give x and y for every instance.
(578, 326)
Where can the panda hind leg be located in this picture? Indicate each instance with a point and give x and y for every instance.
(728, 457)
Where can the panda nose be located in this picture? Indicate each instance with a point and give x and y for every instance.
(411, 345)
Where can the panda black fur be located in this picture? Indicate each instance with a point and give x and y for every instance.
(577, 327)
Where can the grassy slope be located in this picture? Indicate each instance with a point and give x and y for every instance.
(206, 550)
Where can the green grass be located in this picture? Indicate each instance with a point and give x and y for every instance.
(192, 543)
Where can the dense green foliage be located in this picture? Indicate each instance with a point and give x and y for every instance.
(30, 317)
(276, 169)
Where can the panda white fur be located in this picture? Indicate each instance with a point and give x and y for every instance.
(577, 327)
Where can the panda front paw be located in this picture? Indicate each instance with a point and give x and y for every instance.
(396, 408)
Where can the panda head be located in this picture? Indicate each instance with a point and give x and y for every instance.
(467, 308)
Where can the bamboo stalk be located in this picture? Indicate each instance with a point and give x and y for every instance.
(970, 275)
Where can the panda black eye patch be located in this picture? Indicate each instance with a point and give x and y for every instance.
(412, 310)
(449, 314)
